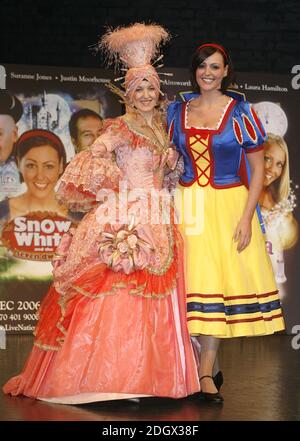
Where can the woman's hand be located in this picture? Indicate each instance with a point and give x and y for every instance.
(169, 157)
(172, 158)
(243, 234)
(99, 147)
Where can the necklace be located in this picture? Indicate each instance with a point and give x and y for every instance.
(154, 133)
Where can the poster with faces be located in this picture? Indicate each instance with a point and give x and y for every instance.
(62, 114)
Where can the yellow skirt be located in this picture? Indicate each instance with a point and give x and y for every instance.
(229, 294)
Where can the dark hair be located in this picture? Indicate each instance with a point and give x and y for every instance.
(37, 138)
(82, 113)
(200, 54)
(10, 105)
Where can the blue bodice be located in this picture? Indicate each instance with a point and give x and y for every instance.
(214, 156)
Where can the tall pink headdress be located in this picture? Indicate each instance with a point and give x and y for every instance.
(136, 46)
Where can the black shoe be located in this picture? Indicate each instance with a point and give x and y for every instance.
(218, 380)
(213, 397)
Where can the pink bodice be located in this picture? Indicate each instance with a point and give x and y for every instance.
(124, 239)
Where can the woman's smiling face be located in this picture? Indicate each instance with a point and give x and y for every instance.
(145, 97)
(41, 168)
(210, 73)
(274, 163)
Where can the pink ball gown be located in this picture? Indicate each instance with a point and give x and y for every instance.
(113, 324)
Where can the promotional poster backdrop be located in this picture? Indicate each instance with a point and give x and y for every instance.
(31, 221)
(51, 95)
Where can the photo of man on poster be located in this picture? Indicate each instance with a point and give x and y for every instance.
(85, 126)
(11, 110)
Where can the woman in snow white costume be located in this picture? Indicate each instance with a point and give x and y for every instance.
(231, 289)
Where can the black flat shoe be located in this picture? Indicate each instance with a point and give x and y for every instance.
(212, 397)
(218, 380)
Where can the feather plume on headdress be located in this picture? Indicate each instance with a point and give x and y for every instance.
(135, 46)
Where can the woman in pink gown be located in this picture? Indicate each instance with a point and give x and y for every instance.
(113, 325)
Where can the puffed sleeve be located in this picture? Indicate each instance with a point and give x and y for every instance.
(89, 171)
(248, 128)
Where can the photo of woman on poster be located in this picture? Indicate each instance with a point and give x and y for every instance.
(277, 203)
(41, 160)
(33, 222)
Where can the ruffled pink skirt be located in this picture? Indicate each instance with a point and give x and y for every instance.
(111, 346)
